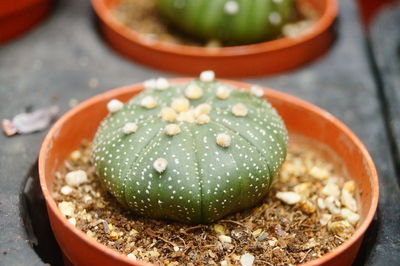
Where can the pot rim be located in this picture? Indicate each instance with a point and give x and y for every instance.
(321, 25)
(16, 6)
(269, 93)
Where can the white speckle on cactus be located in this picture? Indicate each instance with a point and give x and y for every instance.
(168, 114)
(203, 119)
(223, 92)
(150, 84)
(148, 102)
(278, 1)
(239, 110)
(207, 76)
(193, 91)
(75, 178)
(129, 128)
(180, 105)
(247, 259)
(160, 165)
(172, 129)
(162, 84)
(231, 7)
(186, 117)
(223, 140)
(257, 91)
(275, 18)
(202, 109)
(114, 106)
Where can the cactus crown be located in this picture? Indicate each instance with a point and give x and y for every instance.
(190, 152)
(229, 21)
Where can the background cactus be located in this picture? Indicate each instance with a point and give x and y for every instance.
(190, 152)
(230, 21)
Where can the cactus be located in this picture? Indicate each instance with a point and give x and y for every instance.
(229, 21)
(191, 152)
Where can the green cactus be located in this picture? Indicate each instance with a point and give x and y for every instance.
(229, 21)
(190, 152)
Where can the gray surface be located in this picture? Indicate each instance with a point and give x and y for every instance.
(54, 64)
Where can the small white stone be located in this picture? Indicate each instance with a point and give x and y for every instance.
(75, 178)
(350, 186)
(321, 203)
(257, 91)
(202, 109)
(72, 221)
(330, 203)
(150, 84)
(319, 173)
(207, 76)
(66, 190)
(168, 114)
(224, 263)
(87, 198)
(176, 248)
(148, 102)
(203, 119)
(223, 140)
(325, 219)
(129, 128)
(303, 189)
(272, 243)
(239, 110)
(172, 129)
(193, 91)
(331, 189)
(225, 239)
(288, 197)
(67, 208)
(180, 105)
(223, 92)
(162, 84)
(348, 200)
(350, 216)
(247, 259)
(114, 106)
(231, 7)
(275, 18)
(131, 256)
(160, 165)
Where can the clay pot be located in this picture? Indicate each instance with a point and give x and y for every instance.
(19, 16)
(239, 61)
(301, 118)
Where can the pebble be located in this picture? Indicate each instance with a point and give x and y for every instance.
(325, 219)
(348, 200)
(72, 221)
(219, 229)
(288, 197)
(67, 208)
(330, 203)
(75, 178)
(303, 189)
(247, 259)
(66, 190)
(350, 216)
(176, 248)
(114, 106)
(75, 155)
(225, 239)
(319, 173)
(341, 228)
(331, 189)
(131, 256)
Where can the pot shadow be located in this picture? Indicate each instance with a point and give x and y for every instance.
(36, 220)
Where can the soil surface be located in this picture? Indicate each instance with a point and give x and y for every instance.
(307, 213)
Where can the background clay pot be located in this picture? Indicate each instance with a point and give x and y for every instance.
(239, 61)
(301, 118)
(19, 16)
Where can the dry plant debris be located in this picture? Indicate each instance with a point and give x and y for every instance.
(310, 210)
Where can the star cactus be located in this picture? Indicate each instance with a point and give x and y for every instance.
(230, 21)
(191, 152)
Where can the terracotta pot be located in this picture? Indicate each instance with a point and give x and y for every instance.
(301, 118)
(19, 16)
(239, 61)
